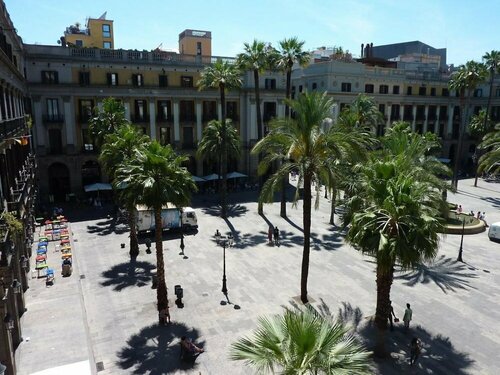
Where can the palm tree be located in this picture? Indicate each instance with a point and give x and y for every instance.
(394, 217)
(211, 146)
(490, 160)
(290, 52)
(302, 342)
(107, 119)
(222, 76)
(465, 81)
(363, 112)
(156, 174)
(117, 149)
(306, 147)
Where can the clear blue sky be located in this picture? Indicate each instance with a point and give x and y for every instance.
(466, 28)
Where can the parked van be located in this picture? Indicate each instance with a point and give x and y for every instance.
(494, 232)
(171, 218)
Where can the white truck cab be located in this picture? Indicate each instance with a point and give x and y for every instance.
(494, 232)
(189, 218)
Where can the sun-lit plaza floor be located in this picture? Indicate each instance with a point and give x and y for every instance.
(105, 312)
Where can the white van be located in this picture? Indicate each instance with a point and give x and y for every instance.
(494, 232)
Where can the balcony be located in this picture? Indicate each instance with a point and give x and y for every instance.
(209, 117)
(432, 117)
(84, 118)
(12, 128)
(53, 119)
(395, 117)
(160, 117)
(187, 118)
(234, 117)
(420, 117)
(188, 145)
(408, 117)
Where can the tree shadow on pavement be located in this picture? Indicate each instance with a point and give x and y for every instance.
(156, 350)
(233, 210)
(438, 356)
(446, 273)
(107, 226)
(124, 275)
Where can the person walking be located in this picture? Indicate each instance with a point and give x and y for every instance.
(270, 232)
(276, 236)
(415, 349)
(392, 315)
(148, 245)
(407, 316)
(483, 218)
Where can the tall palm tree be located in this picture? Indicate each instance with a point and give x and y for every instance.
(306, 147)
(156, 174)
(394, 217)
(255, 58)
(290, 52)
(117, 149)
(465, 81)
(107, 119)
(211, 147)
(223, 76)
(363, 112)
(302, 342)
(490, 160)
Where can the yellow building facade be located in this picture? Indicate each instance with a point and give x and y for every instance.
(97, 34)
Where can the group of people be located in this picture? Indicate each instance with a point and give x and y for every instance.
(273, 233)
(479, 215)
(415, 345)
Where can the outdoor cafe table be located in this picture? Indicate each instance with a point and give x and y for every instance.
(39, 267)
(66, 255)
(64, 242)
(41, 258)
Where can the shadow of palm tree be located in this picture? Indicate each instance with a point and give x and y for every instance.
(108, 226)
(124, 275)
(233, 210)
(446, 273)
(438, 356)
(155, 349)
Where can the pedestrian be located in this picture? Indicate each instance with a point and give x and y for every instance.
(472, 213)
(483, 218)
(407, 316)
(415, 349)
(270, 232)
(164, 316)
(391, 315)
(276, 236)
(148, 245)
(459, 209)
(478, 214)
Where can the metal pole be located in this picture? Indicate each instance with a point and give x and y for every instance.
(459, 259)
(224, 286)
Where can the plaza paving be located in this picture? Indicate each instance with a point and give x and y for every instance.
(104, 317)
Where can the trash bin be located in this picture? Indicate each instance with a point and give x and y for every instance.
(179, 292)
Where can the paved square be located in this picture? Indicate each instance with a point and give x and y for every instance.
(105, 312)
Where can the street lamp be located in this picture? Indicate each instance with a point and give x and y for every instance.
(16, 286)
(223, 242)
(475, 158)
(459, 259)
(24, 263)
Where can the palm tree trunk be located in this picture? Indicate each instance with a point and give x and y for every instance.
(306, 220)
(222, 90)
(488, 104)
(284, 181)
(384, 282)
(161, 290)
(463, 119)
(333, 195)
(134, 243)
(284, 185)
(260, 206)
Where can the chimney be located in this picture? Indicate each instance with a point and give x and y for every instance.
(362, 52)
(371, 49)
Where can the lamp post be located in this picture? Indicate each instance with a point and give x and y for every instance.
(475, 158)
(223, 242)
(459, 259)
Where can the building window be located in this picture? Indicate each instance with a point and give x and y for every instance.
(186, 81)
(346, 87)
(408, 90)
(52, 109)
(383, 89)
(300, 88)
(137, 80)
(198, 48)
(369, 88)
(498, 92)
(187, 137)
(50, 76)
(163, 80)
(270, 84)
(395, 90)
(84, 78)
(164, 136)
(232, 110)
(85, 106)
(106, 45)
(112, 79)
(79, 43)
(381, 108)
(164, 112)
(106, 31)
(55, 141)
(422, 91)
(445, 92)
(88, 143)
(478, 93)
(140, 110)
(433, 91)
(314, 86)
